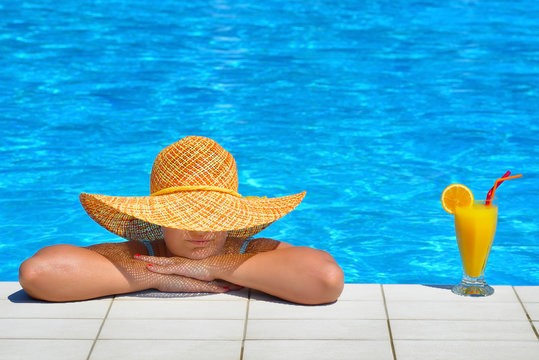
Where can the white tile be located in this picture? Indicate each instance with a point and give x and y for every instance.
(91, 309)
(362, 292)
(155, 295)
(461, 330)
(443, 293)
(23, 349)
(178, 310)
(317, 330)
(9, 288)
(477, 350)
(49, 328)
(533, 310)
(424, 310)
(166, 349)
(528, 293)
(172, 329)
(317, 350)
(338, 310)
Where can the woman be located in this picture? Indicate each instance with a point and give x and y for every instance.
(192, 234)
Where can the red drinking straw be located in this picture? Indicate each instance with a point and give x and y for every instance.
(492, 189)
(496, 184)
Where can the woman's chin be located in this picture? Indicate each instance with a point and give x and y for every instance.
(202, 253)
(197, 253)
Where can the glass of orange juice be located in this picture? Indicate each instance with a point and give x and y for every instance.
(475, 227)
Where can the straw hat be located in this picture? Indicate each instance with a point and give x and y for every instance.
(193, 186)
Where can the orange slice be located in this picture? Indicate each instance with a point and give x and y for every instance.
(456, 195)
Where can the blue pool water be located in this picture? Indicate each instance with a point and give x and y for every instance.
(372, 107)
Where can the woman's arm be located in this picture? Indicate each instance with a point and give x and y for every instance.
(299, 274)
(68, 273)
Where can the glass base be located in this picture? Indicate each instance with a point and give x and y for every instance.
(473, 287)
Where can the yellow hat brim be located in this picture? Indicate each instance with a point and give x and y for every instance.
(140, 218)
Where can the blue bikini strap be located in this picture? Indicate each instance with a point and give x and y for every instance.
(244, 246)
(148, 246)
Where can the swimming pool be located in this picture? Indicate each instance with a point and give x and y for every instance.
(372, 108)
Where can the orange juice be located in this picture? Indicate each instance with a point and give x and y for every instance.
(475, 227)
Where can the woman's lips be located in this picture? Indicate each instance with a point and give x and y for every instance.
(199, 242)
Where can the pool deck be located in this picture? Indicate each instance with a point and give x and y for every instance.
(369, 321)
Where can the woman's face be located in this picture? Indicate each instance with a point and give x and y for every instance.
(194, 244)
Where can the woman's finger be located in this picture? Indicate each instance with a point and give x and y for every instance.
(183, 269)
(227, 284)
(209, 287)
(174, 283)
(156, 260)
(167, 269)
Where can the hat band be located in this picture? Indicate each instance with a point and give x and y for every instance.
(175, 189)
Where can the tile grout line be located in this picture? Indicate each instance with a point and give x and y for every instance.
(245, 324)
(388, 324)
(100, 328)
(526, 312)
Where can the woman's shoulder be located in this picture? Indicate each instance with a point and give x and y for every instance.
(130, 247)
(253, 245)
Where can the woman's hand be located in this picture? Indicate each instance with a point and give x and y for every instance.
(195, 269)
(184, 275)
(178, 283)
